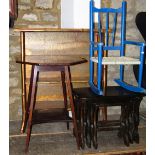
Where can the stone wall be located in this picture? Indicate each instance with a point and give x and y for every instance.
(38, 13)
(35, 13)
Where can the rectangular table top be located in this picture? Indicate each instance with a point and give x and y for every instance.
(51, 60)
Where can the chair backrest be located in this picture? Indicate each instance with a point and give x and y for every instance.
(108, 18)
(109, 22)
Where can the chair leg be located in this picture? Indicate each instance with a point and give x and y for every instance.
(64, 94)
(140, 75)
(74, 119)
(100, 68)
(32, 100)
(141, 66)
(121, 72)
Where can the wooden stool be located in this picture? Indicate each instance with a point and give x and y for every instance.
(88, 104)
(49, 64)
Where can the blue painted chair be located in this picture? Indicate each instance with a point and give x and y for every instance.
(106, 42)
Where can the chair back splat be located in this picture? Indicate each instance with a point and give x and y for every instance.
(109, 35)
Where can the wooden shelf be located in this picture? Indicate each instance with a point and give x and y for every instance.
(50, 115)
(40, 105)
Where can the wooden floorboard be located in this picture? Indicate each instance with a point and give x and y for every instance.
(55, 139)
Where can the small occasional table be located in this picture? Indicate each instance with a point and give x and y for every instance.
(47, 63)
(23, 32)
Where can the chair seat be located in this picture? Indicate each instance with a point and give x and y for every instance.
(117, 60)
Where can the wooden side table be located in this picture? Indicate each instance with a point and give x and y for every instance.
(87, 108)
(23, 32)
(43, 64)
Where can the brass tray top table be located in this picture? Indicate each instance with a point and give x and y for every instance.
(47, 63)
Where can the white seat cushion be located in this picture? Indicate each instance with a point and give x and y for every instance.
(117, 60)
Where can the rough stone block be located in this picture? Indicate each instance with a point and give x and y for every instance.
(13, 33)
(12, 67)
(46, 4)
(13, 99)
(13, 82)
(25, 1)
(30, 17)
(140, 5)
(131, 34)
(24, 7)
(15, 109)
(14, 49)
(49, 17)
(16, 91)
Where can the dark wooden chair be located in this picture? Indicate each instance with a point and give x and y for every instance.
(87, 110)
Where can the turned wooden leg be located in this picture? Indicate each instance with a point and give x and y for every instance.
(126, 127)
(95, 111)
(70, 93)
(64, 94)
(82, 126)
(123, 132)
(131, 121)
(32, 100)
(88, 125)
(137, 101)
(85, 121)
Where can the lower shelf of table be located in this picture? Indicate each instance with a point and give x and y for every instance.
(50, 115)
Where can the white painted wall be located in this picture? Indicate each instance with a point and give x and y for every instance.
(67, 13)
(75, 13)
